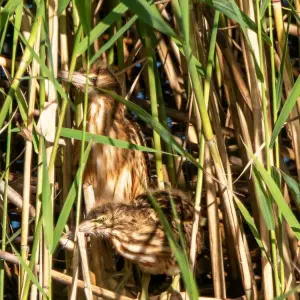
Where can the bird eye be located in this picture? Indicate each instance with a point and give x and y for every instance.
(94, 79)
(101, 219)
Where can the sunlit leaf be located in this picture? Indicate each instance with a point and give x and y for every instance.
(285, 111)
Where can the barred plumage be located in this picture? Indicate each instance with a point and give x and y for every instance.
(136, 232)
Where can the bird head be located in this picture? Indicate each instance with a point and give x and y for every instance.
(98, 78)
(100, 221)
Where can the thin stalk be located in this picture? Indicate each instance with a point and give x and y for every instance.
(42, 99)
(28, 159)
(154, 110)
(35, 247)
(163, 119)
(5, 202)
(267, 141)
(80, 180)
(273, 82)
(276, 145)
(8, 151)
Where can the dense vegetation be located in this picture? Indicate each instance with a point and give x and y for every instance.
(214, 86)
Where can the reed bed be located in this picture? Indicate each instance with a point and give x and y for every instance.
(214, 86)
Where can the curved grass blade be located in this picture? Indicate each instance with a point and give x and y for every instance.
(113, 39)
(84, 13)
(285, 111)
(105, 140)
(294, 187)
(9, 8)
(250, 221)
(115, 15)
(151, 16)
(30, 274)
(32, 262)
(277, 196)
(62, 5)
(265, 203)
(291, 292)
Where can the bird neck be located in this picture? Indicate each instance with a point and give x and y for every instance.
(103, 110)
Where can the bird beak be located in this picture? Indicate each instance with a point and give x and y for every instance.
(87, 226)
(78, 79)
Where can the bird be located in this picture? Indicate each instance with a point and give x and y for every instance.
(136, 232)
(115, 174)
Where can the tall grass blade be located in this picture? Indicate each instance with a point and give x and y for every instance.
(99, 29)
(293, 185)
(264, 201)
(8, 9)
(250, 221)
(285, 111)
(65, 212)
(150, 15)
(278, 197)
(30, 274)
(105, 140)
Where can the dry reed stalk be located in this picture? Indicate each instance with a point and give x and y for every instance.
(28, 162)
(96, 6)
(172, 74)
(85, 266)
(214, 233)
(16, 199)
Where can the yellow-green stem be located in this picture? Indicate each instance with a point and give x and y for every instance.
(276, 148)
(207, 82)
(64, 106)
(154, 110)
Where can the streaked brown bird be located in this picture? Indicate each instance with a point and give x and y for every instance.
(116, 175)
(136, 232)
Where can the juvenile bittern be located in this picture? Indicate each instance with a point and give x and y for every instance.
(136, 232)
(116, 175)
